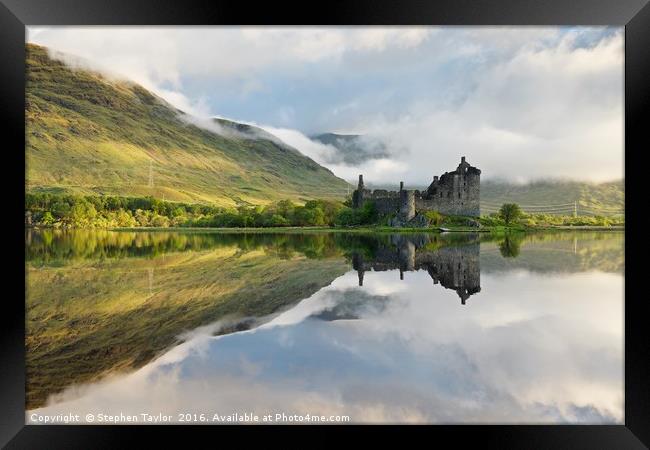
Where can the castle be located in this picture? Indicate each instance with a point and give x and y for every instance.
(454, 193)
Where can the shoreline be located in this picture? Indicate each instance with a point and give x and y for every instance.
(436, 230)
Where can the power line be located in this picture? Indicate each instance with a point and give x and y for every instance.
(528, 206)
(533, 209)
(575, 208)
(602, 209)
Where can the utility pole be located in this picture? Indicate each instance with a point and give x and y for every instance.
(150, 173)
(575, 208)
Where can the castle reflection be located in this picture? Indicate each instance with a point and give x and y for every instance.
(454, 265)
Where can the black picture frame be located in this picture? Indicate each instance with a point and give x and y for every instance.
(633, 14)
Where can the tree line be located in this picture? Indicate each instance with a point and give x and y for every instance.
(76, 211)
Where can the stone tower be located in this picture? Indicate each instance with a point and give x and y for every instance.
(469, 189)
(406, 203)
(358, 194)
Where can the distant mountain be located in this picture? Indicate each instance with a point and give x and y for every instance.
(353, 149)
(89, 134)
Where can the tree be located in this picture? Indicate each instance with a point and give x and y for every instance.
(159, 221)
(305, 216)
(125, 219)
(47, 219)
(277, 220)
(142, 217)
(510, 212)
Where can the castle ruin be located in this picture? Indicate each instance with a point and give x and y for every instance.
(453, 193)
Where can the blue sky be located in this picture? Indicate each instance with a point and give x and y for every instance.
(521, 103)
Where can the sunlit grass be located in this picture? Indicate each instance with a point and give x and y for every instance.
(87, 134)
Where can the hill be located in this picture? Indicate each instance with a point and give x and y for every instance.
(555, 196)
(88, 134)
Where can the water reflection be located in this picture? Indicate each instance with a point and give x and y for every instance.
(322, 324)
(509, 247)
(455, 266)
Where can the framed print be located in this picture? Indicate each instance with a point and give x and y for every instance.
(370, 216)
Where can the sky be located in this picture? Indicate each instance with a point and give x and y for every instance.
(521, 103)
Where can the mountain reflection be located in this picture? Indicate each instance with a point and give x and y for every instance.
(455, 266)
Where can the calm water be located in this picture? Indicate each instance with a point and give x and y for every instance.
(381, 328)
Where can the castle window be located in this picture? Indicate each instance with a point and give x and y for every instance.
(459, 195)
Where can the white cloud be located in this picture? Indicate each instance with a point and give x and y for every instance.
(376, 169)
(520, 103)
(544, 112)
(315, 150)
(162, 54)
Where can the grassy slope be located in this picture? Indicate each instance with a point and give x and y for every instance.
(608, 196)
(88, 134)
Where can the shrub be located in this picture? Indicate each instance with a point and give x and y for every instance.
(47, 219)
(434, 218)
(159, 221)
(365, 215)
(276, 220)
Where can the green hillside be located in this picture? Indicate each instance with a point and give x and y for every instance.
(556, 196)
(88, 134)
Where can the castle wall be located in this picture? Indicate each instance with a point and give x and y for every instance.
(453, 205)
(386, 202)
(454, 193)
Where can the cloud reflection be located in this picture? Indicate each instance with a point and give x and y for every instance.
(529, 348)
